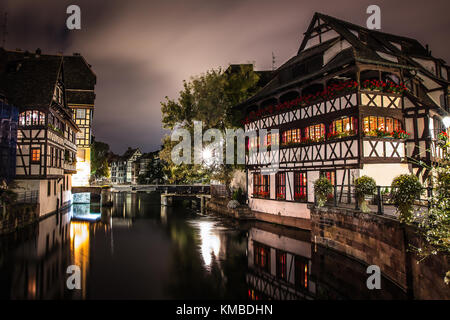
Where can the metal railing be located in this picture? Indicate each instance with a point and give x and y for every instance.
(29, 197)
(345, 196)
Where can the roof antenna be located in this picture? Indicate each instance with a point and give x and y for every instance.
(5, 30)
(273, 61)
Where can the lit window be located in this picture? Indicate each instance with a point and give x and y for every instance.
(35, 155)
(315, 132)
(261, 185)
(280, 185)
(81, 113)
(387, 124)
(300, 186)
(291, 136)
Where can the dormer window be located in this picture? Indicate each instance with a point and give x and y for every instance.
(58, 95)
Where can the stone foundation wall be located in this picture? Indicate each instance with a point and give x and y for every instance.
(18, 217)
(382, 241)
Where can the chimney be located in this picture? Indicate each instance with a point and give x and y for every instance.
(38, 53)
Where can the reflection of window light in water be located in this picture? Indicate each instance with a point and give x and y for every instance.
(210, 242)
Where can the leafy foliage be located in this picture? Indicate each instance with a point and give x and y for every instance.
(365, 186)
(434, 225)
(239, 196)
(208, 98)
(154, 173)
(405, 189)
(99, 159)
(322, 188)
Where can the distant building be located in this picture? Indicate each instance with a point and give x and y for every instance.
(124, 169)
(80, 84)
(144, 164)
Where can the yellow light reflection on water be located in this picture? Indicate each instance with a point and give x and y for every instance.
(79, 240)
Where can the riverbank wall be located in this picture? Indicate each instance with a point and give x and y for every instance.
(380, 240)
(219, 205)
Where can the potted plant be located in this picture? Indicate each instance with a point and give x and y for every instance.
(405, 189)
(322, 188)
(364, 186)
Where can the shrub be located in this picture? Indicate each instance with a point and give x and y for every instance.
(405, 189)
(322, 188)
(239, 196)
(364, 186)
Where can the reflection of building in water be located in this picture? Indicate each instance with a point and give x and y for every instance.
(126, 204)
(40, 264)
(279, 266)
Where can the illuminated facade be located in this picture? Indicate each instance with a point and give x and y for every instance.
(80, 87)
(340, 109)
(45, 153)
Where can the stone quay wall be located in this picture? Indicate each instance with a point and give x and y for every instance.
(379, 240)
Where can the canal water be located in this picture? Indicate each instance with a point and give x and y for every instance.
(139, 249)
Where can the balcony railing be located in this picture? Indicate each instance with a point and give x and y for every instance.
(383, 148)
(320, 106)
(380, 202)
(70, 166)
(380, 99)
(29, 197)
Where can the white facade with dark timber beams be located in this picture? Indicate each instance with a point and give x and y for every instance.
(46, 149)
(352, 102)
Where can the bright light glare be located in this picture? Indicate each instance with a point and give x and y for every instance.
(446, 122)
(210, 243)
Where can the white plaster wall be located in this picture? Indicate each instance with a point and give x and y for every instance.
(384, 173)
(272, 186)
(273, 240)
(312, 177)
(284, 208)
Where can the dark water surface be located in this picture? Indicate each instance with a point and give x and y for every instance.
(140, 250)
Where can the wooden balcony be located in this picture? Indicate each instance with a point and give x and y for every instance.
(70, 167)
(383, 149)
(331, 152)
(380, 99)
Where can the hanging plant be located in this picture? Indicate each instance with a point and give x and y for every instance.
(322, 188)
(364, 186)
(406, 188)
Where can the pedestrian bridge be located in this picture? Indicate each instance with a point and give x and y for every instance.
(164, 188)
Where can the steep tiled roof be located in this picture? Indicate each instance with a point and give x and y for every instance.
(367, 46)
(31, 81)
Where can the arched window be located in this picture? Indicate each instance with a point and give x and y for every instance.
(291, 136)
(344, 126)
(31, 118)
(387, 124)
(315, 132)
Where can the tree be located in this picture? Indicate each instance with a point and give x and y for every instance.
(208, 98)
(434, 224)
(154, 172)
(99, 159)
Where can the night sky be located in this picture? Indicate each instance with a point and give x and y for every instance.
(142, 50)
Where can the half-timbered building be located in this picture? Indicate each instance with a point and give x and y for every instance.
(46, 149)
(80, 85)
(352, 102)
